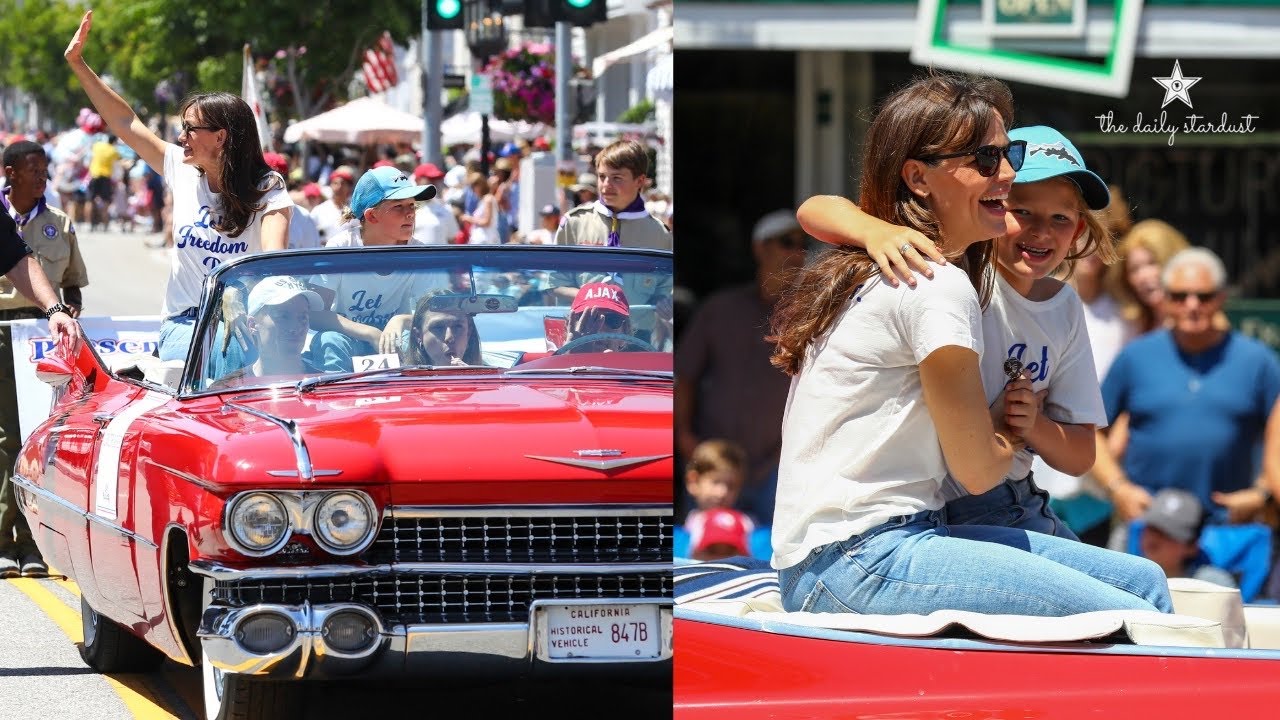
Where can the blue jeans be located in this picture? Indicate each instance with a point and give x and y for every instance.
(916, 565)
(1013, 503)
(175, 335)
(331, 351)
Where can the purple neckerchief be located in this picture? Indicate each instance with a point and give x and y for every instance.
(634, 211)
(20, 218)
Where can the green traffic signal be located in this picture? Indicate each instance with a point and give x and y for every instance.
(449, 9)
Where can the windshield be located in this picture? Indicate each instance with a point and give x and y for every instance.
(285, 317)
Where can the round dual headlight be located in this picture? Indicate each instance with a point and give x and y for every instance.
(343, 522)
(259, 522)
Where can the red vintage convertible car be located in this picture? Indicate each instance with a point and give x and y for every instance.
(480, 486)
(738, 655)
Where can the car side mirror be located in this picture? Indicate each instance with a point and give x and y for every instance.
(54, 369)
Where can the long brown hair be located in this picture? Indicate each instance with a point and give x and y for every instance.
(936, 114)
(242, 166)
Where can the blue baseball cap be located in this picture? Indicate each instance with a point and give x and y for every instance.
(1049, 155)
(509, 149)
(386, 183)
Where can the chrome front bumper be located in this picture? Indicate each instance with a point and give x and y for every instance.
(507, 648)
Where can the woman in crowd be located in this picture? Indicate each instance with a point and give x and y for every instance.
(226, 201)
(886, 396)
(484, 220)
(1135, 280)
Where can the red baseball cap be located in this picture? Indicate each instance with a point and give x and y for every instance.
(428, 171)
(720, 526)
(601, 295)
(344, 172)
(384, 163)
(540, 143)
(276, 162)
(311, 190)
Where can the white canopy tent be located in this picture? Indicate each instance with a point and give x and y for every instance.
(363, 121)
(464, 129)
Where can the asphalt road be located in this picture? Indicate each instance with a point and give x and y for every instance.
(43, 678)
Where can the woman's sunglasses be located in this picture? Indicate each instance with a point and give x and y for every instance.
(987, 157)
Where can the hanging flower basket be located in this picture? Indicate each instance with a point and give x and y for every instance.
(524, 83)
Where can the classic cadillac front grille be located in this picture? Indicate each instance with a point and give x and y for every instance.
(446, 598)
(536, 539)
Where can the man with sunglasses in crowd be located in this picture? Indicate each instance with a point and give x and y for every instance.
(1200, 398)
(725, 386)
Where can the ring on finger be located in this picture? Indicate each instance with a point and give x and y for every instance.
(902, 250)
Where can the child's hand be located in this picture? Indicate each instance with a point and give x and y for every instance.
(899, 250)
(1022, 405)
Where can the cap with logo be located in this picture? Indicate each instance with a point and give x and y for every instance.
(1049, 155)
(278, 290)
(386, 183)
(605, 296)
(1176, 513)
(549, 210)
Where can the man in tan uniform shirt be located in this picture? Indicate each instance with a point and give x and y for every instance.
(618, 218)
(52, 239)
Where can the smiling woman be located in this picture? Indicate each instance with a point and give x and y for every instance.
(220, 185)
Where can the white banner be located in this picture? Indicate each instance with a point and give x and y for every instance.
(134, 335)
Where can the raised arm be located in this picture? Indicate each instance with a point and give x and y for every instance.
(115, 112)
(977, 454)
(836, 220)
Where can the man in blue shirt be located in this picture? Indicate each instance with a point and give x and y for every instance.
(1198, 398)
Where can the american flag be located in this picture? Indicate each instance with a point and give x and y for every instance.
(380, 65)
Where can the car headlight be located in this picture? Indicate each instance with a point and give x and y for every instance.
(343, 522)
(259, 523)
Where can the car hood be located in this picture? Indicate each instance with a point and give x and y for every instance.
(480, 441)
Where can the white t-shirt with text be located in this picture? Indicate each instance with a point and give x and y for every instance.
(858, 443)
(197, 247)
(1051, 340)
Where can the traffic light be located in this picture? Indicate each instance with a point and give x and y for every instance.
(444, 15)
(582, 13)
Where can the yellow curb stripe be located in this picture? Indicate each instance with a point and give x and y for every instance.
(141, 706)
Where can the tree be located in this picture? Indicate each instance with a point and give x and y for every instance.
(33, 34)
(142, 42)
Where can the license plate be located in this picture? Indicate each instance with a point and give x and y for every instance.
(590, 632)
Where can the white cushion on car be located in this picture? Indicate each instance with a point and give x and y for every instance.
(1141, 626)
(1203, 599)
(1262, 625)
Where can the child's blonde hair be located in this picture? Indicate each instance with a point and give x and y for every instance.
(1096, 238)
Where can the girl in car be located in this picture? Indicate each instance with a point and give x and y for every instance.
(441, 337)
